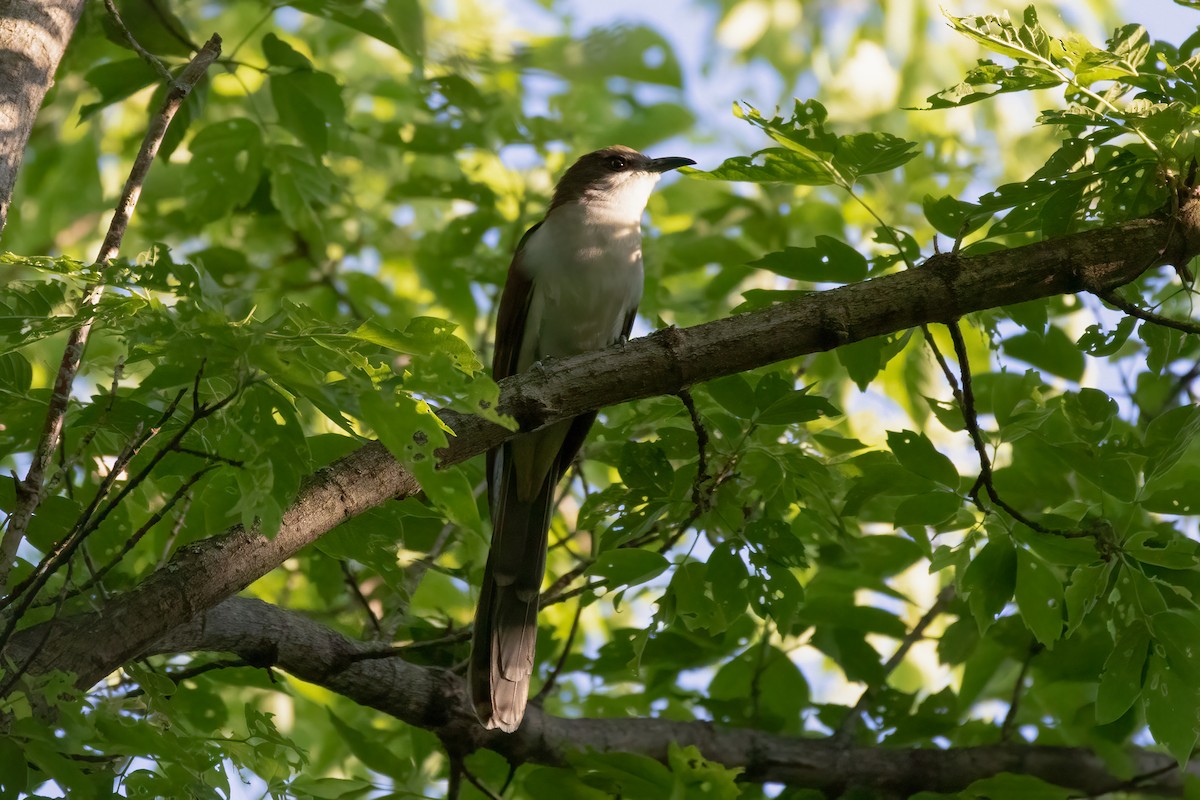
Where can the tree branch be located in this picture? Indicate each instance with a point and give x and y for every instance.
(946, 287)
(29, 491)
(436, 700)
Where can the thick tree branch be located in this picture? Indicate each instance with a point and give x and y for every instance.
(436, 700)
(33, 37)
(946, 287)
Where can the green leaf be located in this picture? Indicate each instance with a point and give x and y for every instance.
(309, 104)
(1171, 708)
(1054, 352)
(631, 776)
(1083, 592)
(1173, 551)
(644, 467)
(300, 188)
(795, 407)
(628, 566)
(953, 217)
(916, 453)
(16, 373)
(1177, 634)
(1039, 595)
(869, 153)
(696, 776)
(990, 579)
(864, 359)
(827, 261)
(14, 774)
(1095, 341)
(1010, 786)
(367, 749)
(227, 159)
(1121, 681)
(281, 54)
(621, 51)
(734, 394)
(116, 80)
(929, 508)
(359, 17)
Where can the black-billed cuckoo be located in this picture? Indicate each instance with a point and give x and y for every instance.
(573, 286)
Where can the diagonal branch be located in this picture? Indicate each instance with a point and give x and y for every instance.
(946, 287)
(30, 490)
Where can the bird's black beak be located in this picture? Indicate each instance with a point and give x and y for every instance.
(669, 163)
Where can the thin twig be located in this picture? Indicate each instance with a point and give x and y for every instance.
(192, 672)
(180, 519)
(971, 419)
(488, 793)
(146, 55)
(548, 686)
(145, 528)
(356, 590)
(233, 462)
(1114, 299)
(29, 494)
(852, 719)
(88, 524)
(701, 446)
(12, 679)
(1006, 728)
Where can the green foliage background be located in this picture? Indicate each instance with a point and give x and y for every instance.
(323, 240)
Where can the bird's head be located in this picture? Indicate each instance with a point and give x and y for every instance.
(615, 180)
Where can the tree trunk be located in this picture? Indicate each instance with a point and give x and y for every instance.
(33, 36)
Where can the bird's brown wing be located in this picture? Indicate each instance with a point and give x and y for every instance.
(505, 634)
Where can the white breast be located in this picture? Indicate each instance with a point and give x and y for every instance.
(587, 276)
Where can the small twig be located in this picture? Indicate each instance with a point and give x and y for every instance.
(488, 793)
(86, 440)
(1006, 728)
(915, 635)
(145, 528)
(29, 493)
(356, 590)
(971, 419)
(192, 672)
(233, 462)
(548, 686)
(701, 447)
(88, 523)
(941, 359)
(36, 651)
(146, 55)
(1114, 299)
(180, 519)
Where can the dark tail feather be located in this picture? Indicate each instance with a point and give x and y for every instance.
(505, 635)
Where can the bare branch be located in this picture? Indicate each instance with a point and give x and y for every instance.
(971, 418)
(1114, 299)
(915, 635)
(436, 700)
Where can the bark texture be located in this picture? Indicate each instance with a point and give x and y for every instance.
(203, 574)
(33, 37)
(437, 700)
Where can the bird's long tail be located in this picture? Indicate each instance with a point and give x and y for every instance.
(505, 635)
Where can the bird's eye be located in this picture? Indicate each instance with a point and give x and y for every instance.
(616, 163)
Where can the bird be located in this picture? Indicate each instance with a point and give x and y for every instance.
(573, 286)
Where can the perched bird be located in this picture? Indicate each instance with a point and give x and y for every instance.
(573, 286)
